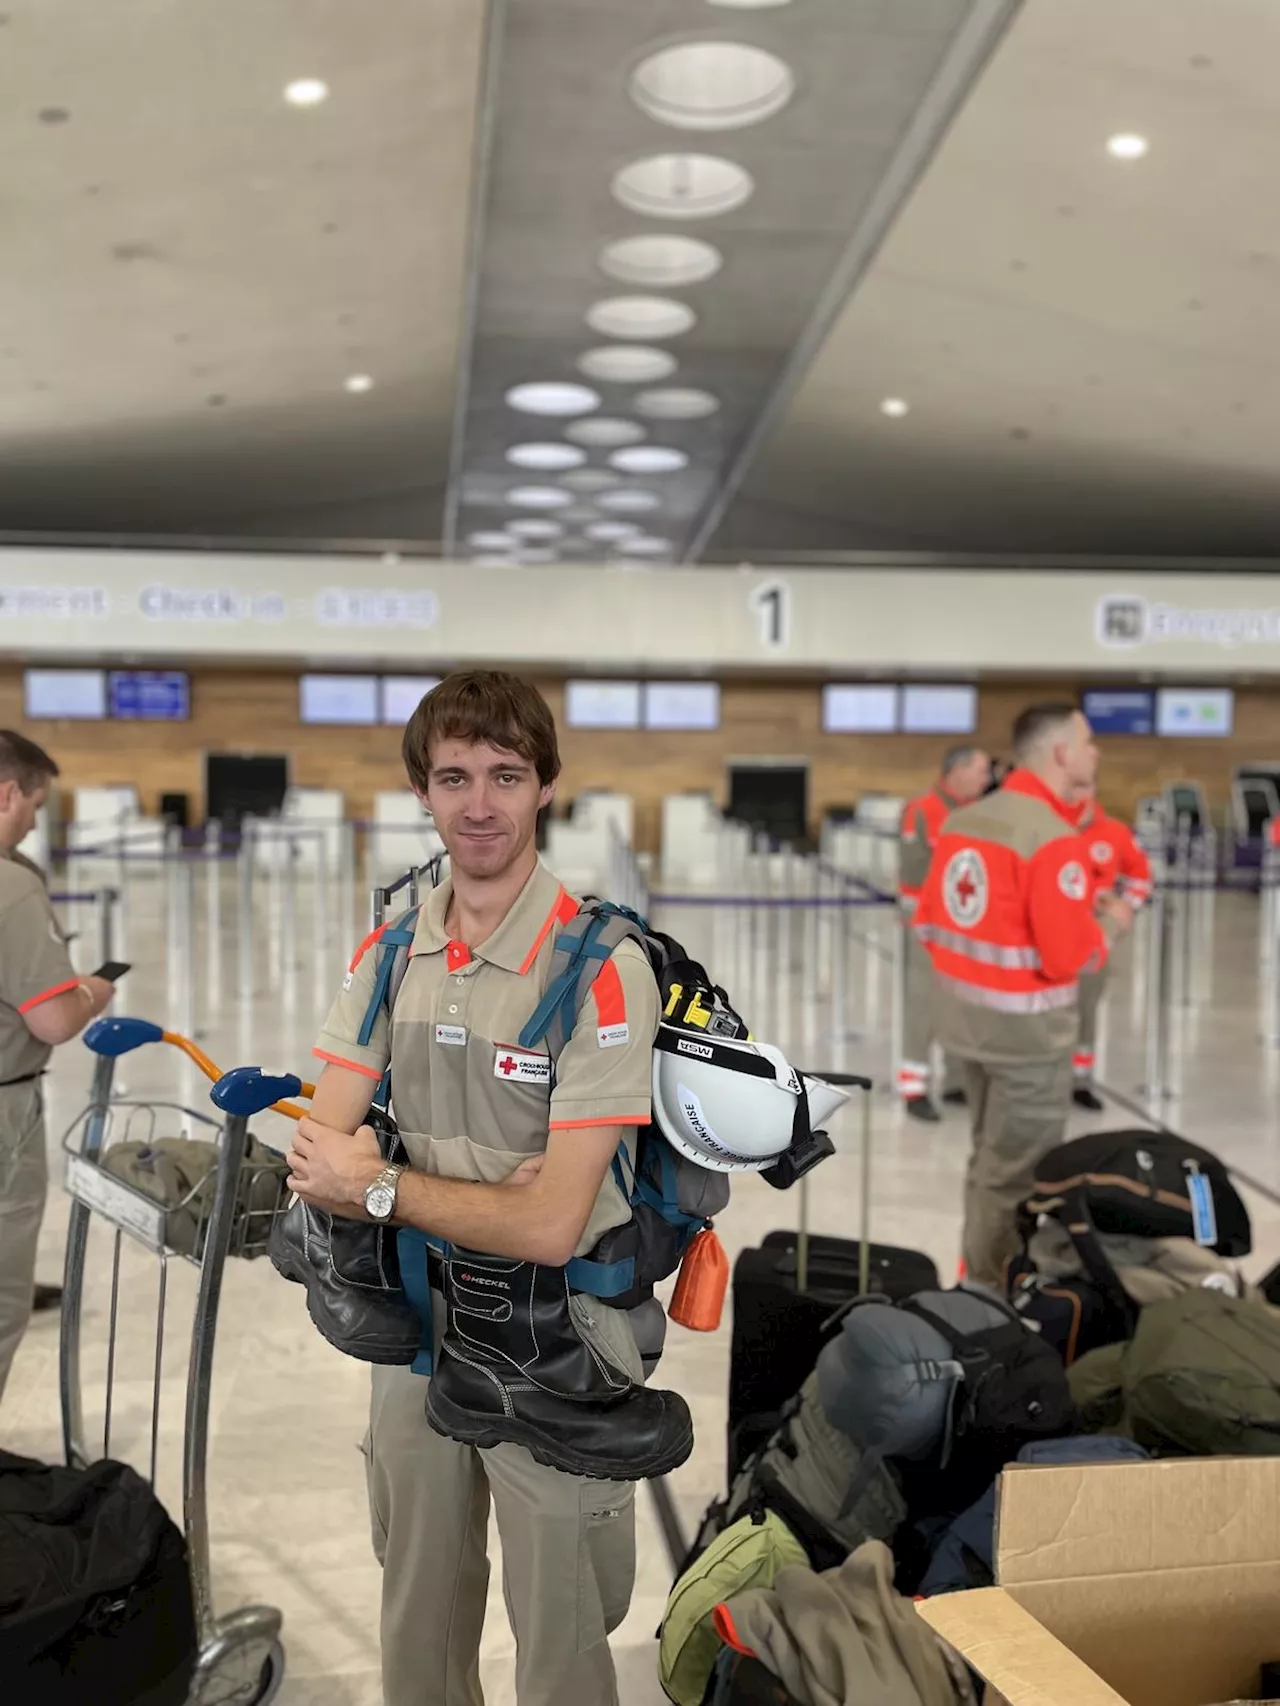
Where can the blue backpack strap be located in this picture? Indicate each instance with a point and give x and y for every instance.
(394, 946)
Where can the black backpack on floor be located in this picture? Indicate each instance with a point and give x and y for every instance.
(1146, 1184)
(95, 1593)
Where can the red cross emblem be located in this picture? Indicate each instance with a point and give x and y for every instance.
(507, 1066)
(964, 887)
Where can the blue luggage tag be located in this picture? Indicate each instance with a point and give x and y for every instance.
(1204, 1217)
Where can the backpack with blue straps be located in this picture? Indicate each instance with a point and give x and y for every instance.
(672, 1199)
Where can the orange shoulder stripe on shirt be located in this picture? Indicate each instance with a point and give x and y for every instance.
(565, 908)
(601, 1119)
(48, 994)
(611, 1002)
(351, 1065)
(368, 943)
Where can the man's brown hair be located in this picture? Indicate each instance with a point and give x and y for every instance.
(482, 707)
(23, 762)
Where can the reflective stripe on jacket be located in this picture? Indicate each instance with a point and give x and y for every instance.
(1007, 917)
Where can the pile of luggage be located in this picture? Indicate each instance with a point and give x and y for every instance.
(864, 1458)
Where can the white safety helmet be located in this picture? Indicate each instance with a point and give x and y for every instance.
(732, 1106)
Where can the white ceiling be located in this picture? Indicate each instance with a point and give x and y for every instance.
(1090, 349)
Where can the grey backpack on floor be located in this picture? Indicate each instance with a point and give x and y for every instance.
(804, 1475)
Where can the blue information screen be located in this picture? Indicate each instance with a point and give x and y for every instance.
(1120, 711)
(153, 696)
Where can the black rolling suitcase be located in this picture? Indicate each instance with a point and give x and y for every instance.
(785, 1290)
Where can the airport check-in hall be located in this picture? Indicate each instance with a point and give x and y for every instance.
(639, 852)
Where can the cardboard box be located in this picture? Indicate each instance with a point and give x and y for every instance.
(1128, 1584)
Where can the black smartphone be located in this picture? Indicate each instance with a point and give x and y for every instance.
(112, 970)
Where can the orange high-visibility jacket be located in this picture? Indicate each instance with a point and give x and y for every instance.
(918, 832)
(1117, 862)
(1007, 916)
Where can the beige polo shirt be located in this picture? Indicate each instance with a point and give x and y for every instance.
(469, 1101)
(34, 965)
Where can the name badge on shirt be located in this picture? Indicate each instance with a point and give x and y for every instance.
(453, 1036)
(612, 1036)
(518, 1068)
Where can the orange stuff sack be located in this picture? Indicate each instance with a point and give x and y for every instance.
(698, 1302)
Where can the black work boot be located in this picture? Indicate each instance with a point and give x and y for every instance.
(1085, 1096)
(921, 1108)
(352, 1276)
(513, 1369)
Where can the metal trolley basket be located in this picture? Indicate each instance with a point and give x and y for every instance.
(240, 1660)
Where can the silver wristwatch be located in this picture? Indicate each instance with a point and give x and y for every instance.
(380, 1196)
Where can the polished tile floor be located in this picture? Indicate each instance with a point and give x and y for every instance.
(288, 1516)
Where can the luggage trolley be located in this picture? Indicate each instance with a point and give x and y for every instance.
(240, 1661)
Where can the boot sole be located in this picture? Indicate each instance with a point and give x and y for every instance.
(461, 1425)
(384, 1353)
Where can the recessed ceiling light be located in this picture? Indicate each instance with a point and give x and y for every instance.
(645, 545)
(640, 317)
(358, 383)
(711, 85)
(623, 364)
(604, 432)
(629, 500)
(553, 397)
(895, 407)
(649, 459)
(549, 457)
(682, 186)
(589, 480)
(612, 530)
(531, 529)
(662, 261)
(538, 497)
(676, 403)
(491, 540)
(1127, 146)
(306, 92)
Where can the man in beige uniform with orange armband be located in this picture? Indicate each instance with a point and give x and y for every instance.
(510, 1159)
(42, 1003)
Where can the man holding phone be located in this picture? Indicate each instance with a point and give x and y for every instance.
(42, 1003)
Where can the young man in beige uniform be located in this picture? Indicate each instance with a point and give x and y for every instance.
(510, 1159)
(42, 1003)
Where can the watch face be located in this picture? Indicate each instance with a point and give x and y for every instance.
(380, 1201)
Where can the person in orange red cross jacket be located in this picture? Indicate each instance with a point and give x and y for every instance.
(966, 770)
(1010, 921)
(1117, 865)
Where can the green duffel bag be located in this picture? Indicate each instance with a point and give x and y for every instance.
(1202, 1377)
(750, 1553)
(180, 1173)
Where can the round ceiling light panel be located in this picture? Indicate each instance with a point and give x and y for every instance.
(610, 530)
(553, 397)
(629, 500)
(627, 364)
(676, 403)
(536, 529)
(538, 497)
(640, 317)
(589, 480)
(649, 459)
(492, 540)
(645, 545)
(550, 458)
(663, 261)
(711, 85)
(682, 186)
(605, 433)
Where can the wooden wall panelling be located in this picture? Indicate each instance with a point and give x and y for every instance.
(256, 710)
